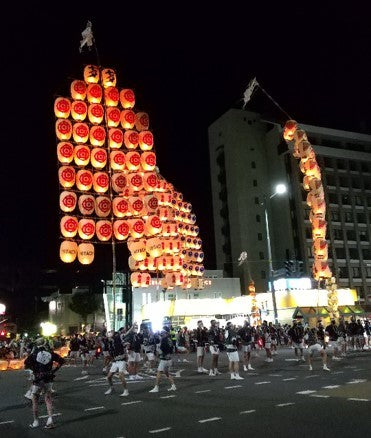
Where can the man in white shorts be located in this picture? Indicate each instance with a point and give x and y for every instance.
(333, 335)
(135, 340)
(214, 340)
(118, 354)
(246, 335)
(202, 340)
(296, 334)
(313, 343)
(166, 350)
(231, 337)
(149, 347)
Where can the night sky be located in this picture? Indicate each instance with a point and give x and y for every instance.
(187, 66)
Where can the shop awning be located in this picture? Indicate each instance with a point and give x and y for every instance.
(307, 312)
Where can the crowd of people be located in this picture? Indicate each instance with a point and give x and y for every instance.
(133, 349)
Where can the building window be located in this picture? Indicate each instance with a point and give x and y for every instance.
(356, 183)
(361, 218)
(363, 237)
(353, 253)
(256, 200)
(341, 164)
(356, 272)
(348, 216)
(255, 183)
(358, 200)
(309, 251)
(327, 162)
(331, 180)
(340, 253)
(253, 165)
(306, 212)
(351, 235)
(343, 272)
(366, 254)
(333, 198)
(368, 272)
(263, 275)
(260, 236)
(258, 218)
(345, 199)
(261, 255)
(338, 234)
(343, 181)
(308, 233)
(353, 165)
(335, 216)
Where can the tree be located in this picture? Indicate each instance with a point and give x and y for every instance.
(84, 303)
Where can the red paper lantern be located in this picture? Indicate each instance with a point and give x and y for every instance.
(148, 161)
(135, 181)
(120, 207)
(111, 96)
(63, 129)
(91, 74)
(84, 180)
(127, 119)
(95, 113)
(102, 206)
(132, 160)
(79, 110)
(127, 98)
(115, 138)
(98, 158)
(118, 182)
(146, 140)
(86, 228)
(321, 270)
(69, 226)
(100, 182)
(67, 201)
(104, 230)
(117, 160)
(149, 181)
(320, 249)
(108, 77)
(86, 204)
(66, 176)
(94, 93)
(78, 90)
(97, 136)
(65, 152)
(82, 155)
(85, 253)
(131, 139)
(68, 251)
(138, 249)
(121, 229)
(62, 107)
(139, 279)
(289, 130)
(142, 121)
(80, 132)
(113, 117)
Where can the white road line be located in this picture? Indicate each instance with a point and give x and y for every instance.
(281, 405)
(319, 396)
(248, 412)
(200, 392)
(359, 369)
(306, 392)
(358, 399)
(291, 360)
(94, 409)
(356, 381)
(206, 420)
(131, 402)
(168, 396)
(261, 383)
(313, 375)
(331, 387)
(290, 378)
(81, 378)
(275, 375)
(54, 415)
(232, 387)
(159, 430)
(7, 422)
(338, 372)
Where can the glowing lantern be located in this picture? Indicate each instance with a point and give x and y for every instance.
(116, 138)
(65, 152)
(139, 279)
(108, 77)
(63, 129)
(289, 130)
(91, 74)
(82, 155)
(121, 229)
(95, 113)
(133, 264)
(320, 249)
(161, 263)
(79, 110)
(321, 270)
(68, 251)
(299, 136)
(311, 168)
(170, 230)
(306, 181)
(142, 121)
(153, 225)
(111, 96)
(154, 247)
(67, 201)
(118, 182)
(113, 117)
(127, 119)
(86, 204)
(62, 107)
(97, 136)
(135, 181)
(69, 226)
(80, 132)
(86, 228)
(148, 161)
(104, 230)
(149, 181)
(151, 203)
(318, 206)
(85, 253)
(146, 140)
(132, 160)
(174, 279)
(131, 139)
(138, 250)
(100, 182)
(117, 160)
(84, 180)
(319, 228)
(94, 93)
(136, 206)
(102, 206)
(3, 365)
(120, 206)
(316, 186)
(164, 199)
(136, 228)
(66, 176)
(305, 150)
(98, 158)
(172, 246)
(127, 98)
(162, 185)
(166, 213)
(78, 90)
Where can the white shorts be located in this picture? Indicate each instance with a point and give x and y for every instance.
(315, 347)
(267, 345)
(214, 349)
(246, 348)
(298, 344)
(134, 357)
(181, 349)
(233, 356)
(150, 356)
(105, 353)
(164, 365)
(74, 354)
(200, 351)
(332, 345)
(118, 366)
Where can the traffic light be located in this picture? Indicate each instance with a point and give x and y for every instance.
(290, 268)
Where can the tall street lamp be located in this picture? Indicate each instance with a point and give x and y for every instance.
(279, 190)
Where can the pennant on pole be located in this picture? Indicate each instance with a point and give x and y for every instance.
(242, 258)
(248, 92)
(87, 37)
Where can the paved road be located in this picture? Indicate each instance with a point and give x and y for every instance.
(279, 399)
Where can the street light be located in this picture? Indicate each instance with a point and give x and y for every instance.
(279, 190)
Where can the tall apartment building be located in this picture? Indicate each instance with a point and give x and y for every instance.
(248, 157)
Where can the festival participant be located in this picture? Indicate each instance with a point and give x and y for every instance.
(166, 350)
(352, 333)
(135, 340)
(360, 336)
(104, 342)
(342, 337)
(118, 354)
(296, 334)
(314, 344)
(201, 340)
(182, 341)
(246, 334)
(41, 361)
(273, 335)
(333, 335)
(84, 353)
(214, 339)
(149, 347)
(231, 340)
(74, 348)
(267, 342)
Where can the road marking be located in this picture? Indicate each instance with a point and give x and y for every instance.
(248, 412)
(234, 386)
(261, 383)
(350, 367)
(319, 396)
(210, 419)
(205, 390)
(275, 375)
(306, 392)
(54, 415)
(290, 378)
(314, 375)
(94, 409)
(177, 374)
(159, 430)
(7, 422)
(291, 360)
(359, 369)
(356, 381)
(338, 372)
(281, 405)
(358, 399)
(331, 387)
(131, 402)
(168, 396)
(81, 378)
